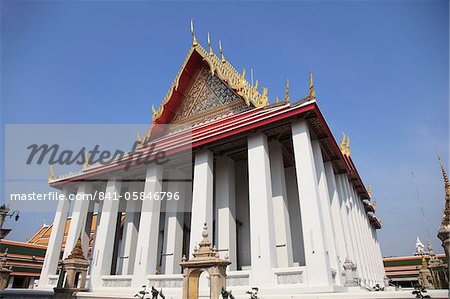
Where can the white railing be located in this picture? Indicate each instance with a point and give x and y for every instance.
(287, 276)
(238, 278)
(116, 281)
(166, 281)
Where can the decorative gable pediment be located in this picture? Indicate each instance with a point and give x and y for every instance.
(208, 97)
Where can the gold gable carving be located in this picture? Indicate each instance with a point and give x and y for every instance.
(207, 98)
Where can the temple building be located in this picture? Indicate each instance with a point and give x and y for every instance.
(282, 199)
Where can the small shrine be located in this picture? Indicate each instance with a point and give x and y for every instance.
(206, 258)
(72, 277)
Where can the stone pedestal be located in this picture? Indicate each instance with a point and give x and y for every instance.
(349, 270)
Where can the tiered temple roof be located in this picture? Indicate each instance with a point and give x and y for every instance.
(209, 101)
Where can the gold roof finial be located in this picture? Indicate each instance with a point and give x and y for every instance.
(286, 93)
(374, 204)
(369, 191)
(194, 39)
(264, 98)
(51, 174)
(222, 57)
(277, 100)
(446, 217)
(138, 137)
(211, 52)
(347, 146)
(86, 159)
(154, 111)
(312, 92)
(342, 144)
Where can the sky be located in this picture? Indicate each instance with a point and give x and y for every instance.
(381, 74)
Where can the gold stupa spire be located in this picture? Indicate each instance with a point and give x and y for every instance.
(286, 93)
(312, 92)
(194, 39)
(446, 217)
(222, 57)
(77, 251)
(211, 52)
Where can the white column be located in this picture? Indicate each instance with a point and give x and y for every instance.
(173, 225)
(336, 213)
(283, 238)
(373, 257)
(262, 233)
(147, 244)
(51, 261)
(103, 251)
(131, 229)
(345, 217)
(202, 197)
(225, 195)
(354, 230)
(380, 258)
(364, 248)
(318, 270)
(78, 220)
(324, 196)
(365, 232)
